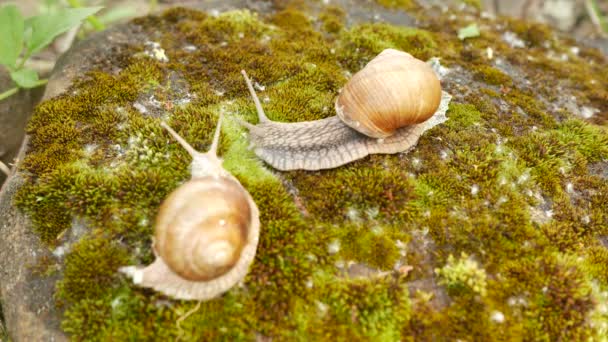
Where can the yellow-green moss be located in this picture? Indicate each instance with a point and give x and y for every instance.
(332, 18)
(493, 76)
(398, 4)
(471, 185)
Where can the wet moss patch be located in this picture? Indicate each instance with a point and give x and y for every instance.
(500, 199)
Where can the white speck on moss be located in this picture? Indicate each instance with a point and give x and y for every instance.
(89, 149)
(588, 112)
(258, 86)
(353, 214)
(154, 50)
(322, 308)
(513, 40)
(569, 188)
(497, 317)
(333, 247)
(141, 108)
(474, 189)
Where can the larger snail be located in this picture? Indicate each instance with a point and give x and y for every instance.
(384, 108)
(206, 232)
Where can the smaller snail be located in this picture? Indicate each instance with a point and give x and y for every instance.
(384, 108)
(206, 232)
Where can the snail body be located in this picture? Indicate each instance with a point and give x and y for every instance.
(384, 108)
(206, 232)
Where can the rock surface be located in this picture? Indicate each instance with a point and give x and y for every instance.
(492, 227)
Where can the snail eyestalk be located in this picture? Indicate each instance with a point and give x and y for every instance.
(258, 106)
(216, 136)
(383, 108)
(180, 140)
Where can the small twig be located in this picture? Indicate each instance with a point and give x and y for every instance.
(4, 168)
(183, 317)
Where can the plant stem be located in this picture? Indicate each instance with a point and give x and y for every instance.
(13, 91)
(8, 93)
(4, 168)
(92, 19)
(24, 59)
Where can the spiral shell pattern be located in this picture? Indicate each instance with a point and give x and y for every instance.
(392, 91)
(203, 226)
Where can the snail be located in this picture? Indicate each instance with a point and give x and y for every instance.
(206, 232)
(384, 108)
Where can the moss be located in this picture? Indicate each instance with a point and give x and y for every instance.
(491, 75)
(474, 185)
(364, 41)
(333, 18)
(537, 35)
(90, 268)
(463, 275)
(397, 4)
(474, 3)
(379, 310)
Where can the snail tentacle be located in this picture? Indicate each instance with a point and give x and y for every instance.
(329, 142)
(206, 232)
(258, 106)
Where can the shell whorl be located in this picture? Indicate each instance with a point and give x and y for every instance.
(393, 90)
(202, 227)
(327, 143)
(206, 233)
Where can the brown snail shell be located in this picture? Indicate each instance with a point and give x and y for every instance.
(206, 232)
(384, 108)
(207, 221)
(392, 91)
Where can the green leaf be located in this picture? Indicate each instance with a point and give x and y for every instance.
(46, 27)
(470, 31)
(118, 13)
(11, 35)
(25, 78)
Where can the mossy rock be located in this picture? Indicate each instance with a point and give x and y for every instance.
(493, 227)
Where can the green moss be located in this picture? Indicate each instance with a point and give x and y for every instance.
(90, 268)
(537, 35)
(474, 3)
(463, 116)
(364, 41)
(463, 275)
(358, 309)
(394, 4)
(473, 185)
(491, 75)
(333, 18)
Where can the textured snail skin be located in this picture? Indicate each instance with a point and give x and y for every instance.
(329, 143)
(187, 283)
